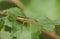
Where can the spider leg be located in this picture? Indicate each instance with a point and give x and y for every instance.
(22, 27)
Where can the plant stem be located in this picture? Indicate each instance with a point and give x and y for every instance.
(52, 34)
(18, 3)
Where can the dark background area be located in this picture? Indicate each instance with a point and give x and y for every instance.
(6, 5)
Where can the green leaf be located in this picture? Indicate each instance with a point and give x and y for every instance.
(5, 35)
(49, 27)
(25, 34)
(1, 23)
(16, 26)
(35, 35)
(34, 28)
(15, 11)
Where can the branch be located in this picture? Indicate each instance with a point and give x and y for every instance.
(18, 3)
(51, 34)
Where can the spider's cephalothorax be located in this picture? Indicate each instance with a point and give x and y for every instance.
(23, 19)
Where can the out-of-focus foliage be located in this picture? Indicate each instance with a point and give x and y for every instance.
(46, 12)
(1, 0)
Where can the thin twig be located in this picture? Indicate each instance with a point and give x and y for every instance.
(52, 34)
(18, 3)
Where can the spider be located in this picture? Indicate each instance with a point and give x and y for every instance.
(27, 20)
